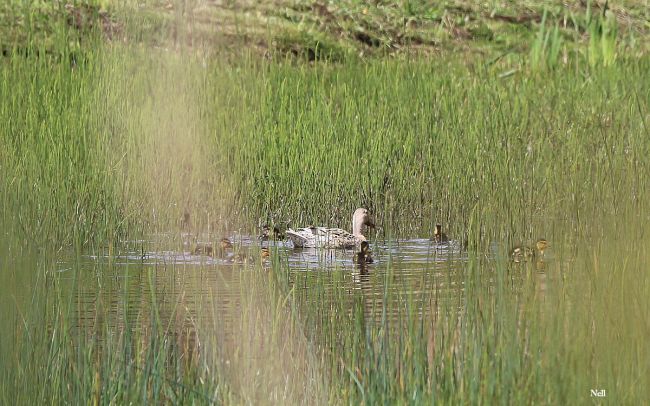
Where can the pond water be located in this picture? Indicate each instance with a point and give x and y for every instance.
(203, 293)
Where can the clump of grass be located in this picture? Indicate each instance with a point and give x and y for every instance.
(545, 50)
(603, 35)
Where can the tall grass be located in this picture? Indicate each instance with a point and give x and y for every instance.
(121, 143)
(131, 140)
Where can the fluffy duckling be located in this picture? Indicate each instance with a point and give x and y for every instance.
(225, 243)
(265, 254)
(207, 249)
(438, 235)
(203, 249)
(269, 232)
(541, 245)
(363, 256)
(524, 253)
(240, 258)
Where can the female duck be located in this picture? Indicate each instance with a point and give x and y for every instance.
(323, 237)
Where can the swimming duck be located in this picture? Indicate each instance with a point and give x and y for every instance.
(438, 235)
(225, 243)
(238, 258)
(524, 253)
(363, 256)
(207, 249)
(324, 237)
(247, 259)
(541, 245)
(268, 232)
(202, 249)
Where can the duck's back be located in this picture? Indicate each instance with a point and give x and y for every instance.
(321, 237)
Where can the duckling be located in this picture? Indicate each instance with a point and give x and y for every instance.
(265, 254)
(363, 256)
(238, 258)
(521, 254)
(225, 243)
(541, 245)
(438, 235)
(207, 249)
(268, 232)
(524, 253)
(203, 249)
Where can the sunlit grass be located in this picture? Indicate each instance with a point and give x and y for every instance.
(131, 140)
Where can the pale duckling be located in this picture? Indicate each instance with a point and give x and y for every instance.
(541, 245)
(324, 237)
(438, 235)
(524, 253)
(363, 256)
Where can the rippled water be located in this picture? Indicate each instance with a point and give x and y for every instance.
(197, 290)
(203, 293)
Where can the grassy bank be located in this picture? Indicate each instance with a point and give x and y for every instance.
(334, 30)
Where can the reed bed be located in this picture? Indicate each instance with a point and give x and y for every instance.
(130, 141)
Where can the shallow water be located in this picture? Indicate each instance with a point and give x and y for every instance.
(201, 292)
(159, 283)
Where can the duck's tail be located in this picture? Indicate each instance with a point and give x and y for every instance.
(296, 238)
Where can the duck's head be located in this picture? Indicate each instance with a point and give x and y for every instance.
(265, 253)
(541, 245)
(225, 243)
(360, 218)
(365, 247)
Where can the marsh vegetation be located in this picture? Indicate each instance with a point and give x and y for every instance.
(116, 157)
